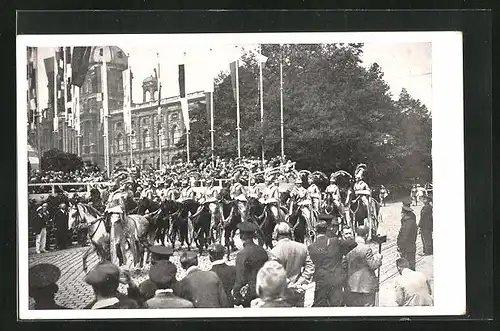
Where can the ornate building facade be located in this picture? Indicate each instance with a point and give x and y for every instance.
(142, 146)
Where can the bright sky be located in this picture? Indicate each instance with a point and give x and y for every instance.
(404, 65)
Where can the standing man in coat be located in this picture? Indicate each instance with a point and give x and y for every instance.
(326, 254)
(362, 282)
(407, 237)
(61, 223)
(203, 288)
(425, 225)
(226, 273)
(294, 257)
(248, 262)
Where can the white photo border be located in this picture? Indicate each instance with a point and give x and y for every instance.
(447, 150)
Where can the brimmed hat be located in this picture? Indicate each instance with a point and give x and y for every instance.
(161, 252)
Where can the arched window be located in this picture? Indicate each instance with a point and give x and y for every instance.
(146, 139)
(148, 96)
(120, 142)
(155, 95)
(134, 140)
(174, 135)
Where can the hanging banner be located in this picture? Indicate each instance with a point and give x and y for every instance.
(185, 113)
(56, 124)
(127, 102)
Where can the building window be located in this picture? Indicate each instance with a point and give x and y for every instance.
(148, 96)
(155, 95)
(146, 139)
(145, 121)
(118, 126)
(120, 142)
(175, 135)
(134, 140)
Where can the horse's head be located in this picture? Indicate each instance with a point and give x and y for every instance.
(74, 216)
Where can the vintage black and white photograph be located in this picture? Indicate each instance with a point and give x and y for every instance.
(240, 172)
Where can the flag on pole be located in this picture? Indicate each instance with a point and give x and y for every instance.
(80, 64)
(182, 81)
(76, 106)
(232, 68)
(185, 112)
(56, 124)
(127, 102)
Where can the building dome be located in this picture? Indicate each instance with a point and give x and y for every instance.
(112, 54)
(149, 80)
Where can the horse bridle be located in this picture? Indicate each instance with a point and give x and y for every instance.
(99, 219)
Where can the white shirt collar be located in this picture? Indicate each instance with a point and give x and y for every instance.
(216, 262)
(168, 290)
(105, 303)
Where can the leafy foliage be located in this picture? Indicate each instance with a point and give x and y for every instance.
(336, 112)
(56, 160)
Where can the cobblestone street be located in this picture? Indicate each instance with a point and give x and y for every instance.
(75, 293)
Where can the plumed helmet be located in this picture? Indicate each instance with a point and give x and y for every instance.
(360, 170)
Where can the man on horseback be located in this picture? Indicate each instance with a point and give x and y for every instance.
(237, 193)
(314, 195)
(270, 197)
(253, 191)
(299, 197)
(332, 193)
(116, 206)
(361, 189)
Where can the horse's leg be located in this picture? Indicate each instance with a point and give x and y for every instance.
(86, 255)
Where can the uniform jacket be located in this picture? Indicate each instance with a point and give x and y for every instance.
(204, 289)
(314, 191)
(248, 263)
(361, 266)
(326, 254)
(227, 275)
(236, 190)
(412, 289)
(295, 258)
(407, 236)
(426, 220)
(333, 191)
(167, 299)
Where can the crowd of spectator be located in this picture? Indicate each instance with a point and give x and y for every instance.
(343, 269)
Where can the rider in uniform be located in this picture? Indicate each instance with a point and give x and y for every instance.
(360, 187)
(333, 191)
(253, 191)
(172, 192)
(187, 192)
(237, 193)
(117, 198)
(315, 195)
(271, 196)
(300, 196)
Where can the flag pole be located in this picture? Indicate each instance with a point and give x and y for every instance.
(65, 97)
(212, 139)
(104, 77)
(238, 129)
(261, 106)
(56, 127)
(281, 104)
(160, 130)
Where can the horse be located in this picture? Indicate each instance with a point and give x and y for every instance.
(181, 224)
(362, 213)
(230, 223)
(202, 227)
(136, 230)
(86, 216)
(328, 207)
(301, 230)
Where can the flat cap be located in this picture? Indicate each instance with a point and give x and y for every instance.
(162, 272)
(42, 275)
(161, 252)
(216, 249)
(102, 273)
(247, 227)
